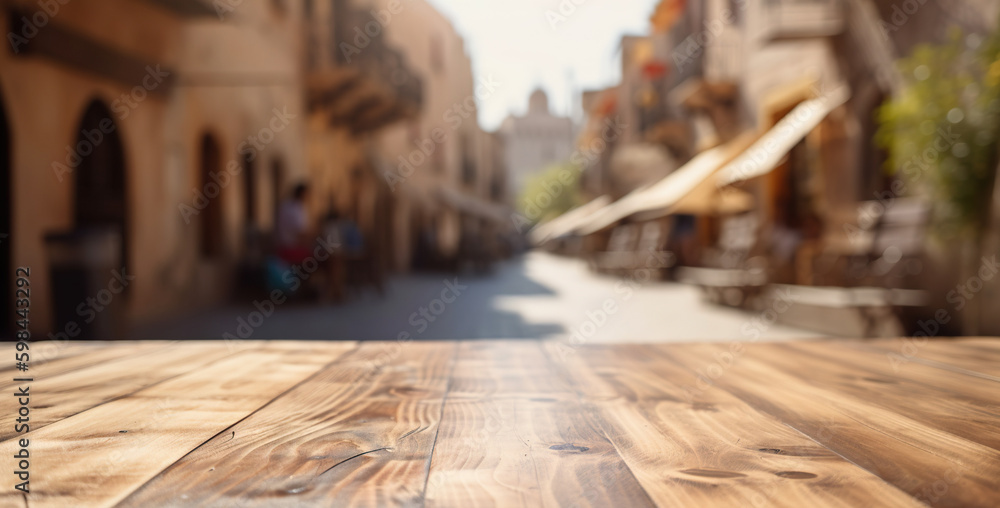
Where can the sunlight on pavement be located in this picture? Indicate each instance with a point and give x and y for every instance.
(653, 311)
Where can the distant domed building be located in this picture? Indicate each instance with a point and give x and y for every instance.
(538, 104)
(535, 141)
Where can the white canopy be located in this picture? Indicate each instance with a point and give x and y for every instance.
(767, 152)
(566, 222)
(669, 191)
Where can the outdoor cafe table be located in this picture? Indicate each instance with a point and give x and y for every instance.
(508, 423)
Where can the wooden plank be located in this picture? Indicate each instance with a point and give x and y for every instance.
(359, 433)
(934, 466)
(72, 392)
(515, 434)
(99, 456)
(692, 444)
(950, 401)
(967, 355)
(46, 351)
(505, 369)
(68, 357)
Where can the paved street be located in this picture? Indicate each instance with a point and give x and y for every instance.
(536, 296)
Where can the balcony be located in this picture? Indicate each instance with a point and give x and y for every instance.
(795, 19)
(366, 83)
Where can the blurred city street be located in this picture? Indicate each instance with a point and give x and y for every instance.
(740, 156)
(535, 296)
(453, 253)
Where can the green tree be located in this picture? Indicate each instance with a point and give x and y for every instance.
(941, 131)
(551, 193)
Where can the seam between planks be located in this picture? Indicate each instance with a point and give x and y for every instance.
(137, 390)
(91, 347)
(437, 431)
(592, 417)
(778, 419)
(835, 452)
(322, 369)
(928, 362)
(96, 349)
(862, 401)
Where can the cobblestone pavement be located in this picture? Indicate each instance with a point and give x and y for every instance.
(535, 296)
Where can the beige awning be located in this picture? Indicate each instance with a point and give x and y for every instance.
(663, 197)
(765, 154)
(706, 199)
(566, 222)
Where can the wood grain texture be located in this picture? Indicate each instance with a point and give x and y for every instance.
(66, 394)
(45, 351)
(963, 405)
(513, 423)
(60, 358)
(359, 433)
(97, 457)
(968, 356)
(515, 434)
(933, 466)
(692, 444)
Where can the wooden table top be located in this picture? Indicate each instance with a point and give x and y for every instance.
(509, 423)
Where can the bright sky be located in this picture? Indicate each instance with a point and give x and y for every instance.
(515, 41)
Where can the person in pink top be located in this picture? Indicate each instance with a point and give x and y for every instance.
(293, 238)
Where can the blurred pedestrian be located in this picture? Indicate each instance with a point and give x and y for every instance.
(294, 241)
(336, 264)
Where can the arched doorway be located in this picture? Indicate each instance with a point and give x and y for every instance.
(100, 199)
(6, 225)
(210, 241)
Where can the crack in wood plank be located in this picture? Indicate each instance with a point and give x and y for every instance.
(437, 431)
(352, 458)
